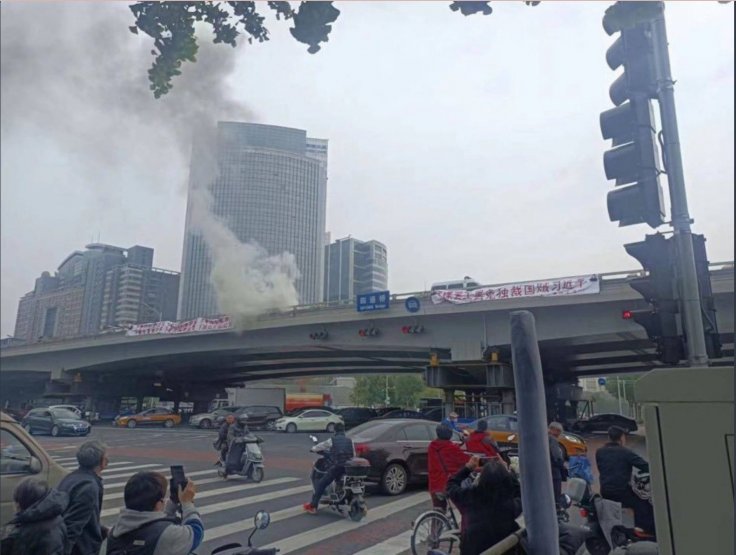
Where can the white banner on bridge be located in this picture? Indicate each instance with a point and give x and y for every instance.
(580, 285)
(200, 324)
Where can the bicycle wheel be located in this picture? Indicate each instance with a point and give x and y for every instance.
(427, 532)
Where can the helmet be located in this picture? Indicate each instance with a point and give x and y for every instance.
(243, 419)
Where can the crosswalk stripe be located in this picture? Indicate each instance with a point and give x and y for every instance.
(230, 489)
(150, 468)
(162, 469)
(63, 459)
(243, 501)
(321, 533)
(134, 467)
(74, 465)
(392, 546)
(217, 532)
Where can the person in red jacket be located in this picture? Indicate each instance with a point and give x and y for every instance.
(444, 459)
(480, 442)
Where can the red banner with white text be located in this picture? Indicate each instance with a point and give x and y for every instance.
(188, 326)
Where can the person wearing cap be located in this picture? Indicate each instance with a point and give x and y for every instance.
(451, 421)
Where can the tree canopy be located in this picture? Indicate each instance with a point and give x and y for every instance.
(403, 390)
(171, 25)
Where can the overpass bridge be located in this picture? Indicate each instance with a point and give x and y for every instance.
(582, 335)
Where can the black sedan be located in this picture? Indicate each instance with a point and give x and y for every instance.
(355, 416)
(401, 413)
(601, 423)
(397, 451)
(56, 422)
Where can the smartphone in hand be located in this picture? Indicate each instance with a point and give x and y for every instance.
(177, 480)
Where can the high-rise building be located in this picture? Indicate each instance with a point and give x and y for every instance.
(353, 267)
(100, 287)
(271, 189)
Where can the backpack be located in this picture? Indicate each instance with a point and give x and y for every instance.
(141, 541)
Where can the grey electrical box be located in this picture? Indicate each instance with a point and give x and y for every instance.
(689, 420)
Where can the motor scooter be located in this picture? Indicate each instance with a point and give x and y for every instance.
(251, 460)
(346, 495)
(260, 522)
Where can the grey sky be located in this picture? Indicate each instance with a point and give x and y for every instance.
(469, 146)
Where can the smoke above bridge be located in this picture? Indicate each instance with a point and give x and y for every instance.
(75, 77)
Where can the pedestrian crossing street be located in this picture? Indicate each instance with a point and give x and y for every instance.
(227, 508)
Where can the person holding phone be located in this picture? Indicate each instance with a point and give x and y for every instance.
(149, 522)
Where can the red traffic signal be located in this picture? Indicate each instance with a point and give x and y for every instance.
(368, 332)
(412, 329)
(627, 315)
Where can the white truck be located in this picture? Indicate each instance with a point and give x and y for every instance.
(251, 395)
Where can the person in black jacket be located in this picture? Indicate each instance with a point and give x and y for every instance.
(615, 464)
(221, 442)
(557, 460)
(84, 487)
(489, 506)
(341, 451)
(38, 527)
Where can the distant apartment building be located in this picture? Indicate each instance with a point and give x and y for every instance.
(271, 189)
(101, 287)
(353, 267)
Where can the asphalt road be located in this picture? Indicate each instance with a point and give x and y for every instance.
(228, 506)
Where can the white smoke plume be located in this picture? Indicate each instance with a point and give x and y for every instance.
(73, 74)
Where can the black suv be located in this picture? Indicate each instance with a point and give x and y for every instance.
(260, 416)
(355, 416)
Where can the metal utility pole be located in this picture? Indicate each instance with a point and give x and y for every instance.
(618, 394)
(692, 320)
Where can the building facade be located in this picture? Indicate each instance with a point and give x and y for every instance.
(271, 188)
(101, 287)
(353, 267)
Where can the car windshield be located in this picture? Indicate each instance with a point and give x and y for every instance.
(370, 430)
(64, 413)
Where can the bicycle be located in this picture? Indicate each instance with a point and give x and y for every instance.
(435, 529)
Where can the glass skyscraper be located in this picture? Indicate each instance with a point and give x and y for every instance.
(353, 267)
(271, 188)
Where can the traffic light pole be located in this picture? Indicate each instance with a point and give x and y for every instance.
(692, 321)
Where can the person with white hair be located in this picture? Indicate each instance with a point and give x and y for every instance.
(557, 458)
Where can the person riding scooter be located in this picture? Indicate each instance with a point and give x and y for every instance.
(236, 434)
(221, 442)
(341, 451)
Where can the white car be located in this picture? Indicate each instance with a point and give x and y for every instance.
(309, 421)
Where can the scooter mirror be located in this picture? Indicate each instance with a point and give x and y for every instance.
(566, 502)
(262, 520)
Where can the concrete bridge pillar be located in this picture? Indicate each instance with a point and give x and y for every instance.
(448, 403)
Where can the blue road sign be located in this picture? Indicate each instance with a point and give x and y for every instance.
(412, 304)
(378, 300)
(601, 381)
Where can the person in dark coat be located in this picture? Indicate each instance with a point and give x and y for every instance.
(221, 442)
(235, 445)
(341, 451)
(84, 488)
(444, 459)
(38, 527)
(557, 460)
(615, 464)
(490, 506)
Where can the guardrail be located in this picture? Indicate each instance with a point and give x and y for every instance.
(295, 310)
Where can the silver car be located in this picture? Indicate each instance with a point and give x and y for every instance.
(206, 420)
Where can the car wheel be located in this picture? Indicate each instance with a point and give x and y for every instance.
(54, 431)
(331, 427)
(168, 423)
(205, 424)
(291, 428)
(394, 479)
(131, 423)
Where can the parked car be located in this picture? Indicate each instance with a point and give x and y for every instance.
(396, 449)
(21, 456)
(209, 419)
(259, 416)
(433, 413)
(383, 410)
(309, 421)
(401, 413)
(158, 415)
(55, 421)
(294, 412)
(504, 428)
(355, 416)
(84, 415)
(601, 423)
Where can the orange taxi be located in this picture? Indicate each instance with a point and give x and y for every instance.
(151, 417)
(504, 428)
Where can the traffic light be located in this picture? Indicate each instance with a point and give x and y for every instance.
(368, 332)
(409, 330)
(657, 255)
(311, 23)
(707, 303)
(319, 335)
(634, 160)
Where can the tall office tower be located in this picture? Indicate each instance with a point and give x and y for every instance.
(353, 267)
(270, 188)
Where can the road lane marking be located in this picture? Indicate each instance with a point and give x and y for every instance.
(242, 525)
(163, 469)
(231, 489)
(64, 459)
(134, 467)
(74, 465)
(392, 546)
(321, 533)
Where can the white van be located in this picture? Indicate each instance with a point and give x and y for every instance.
(466, 283)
